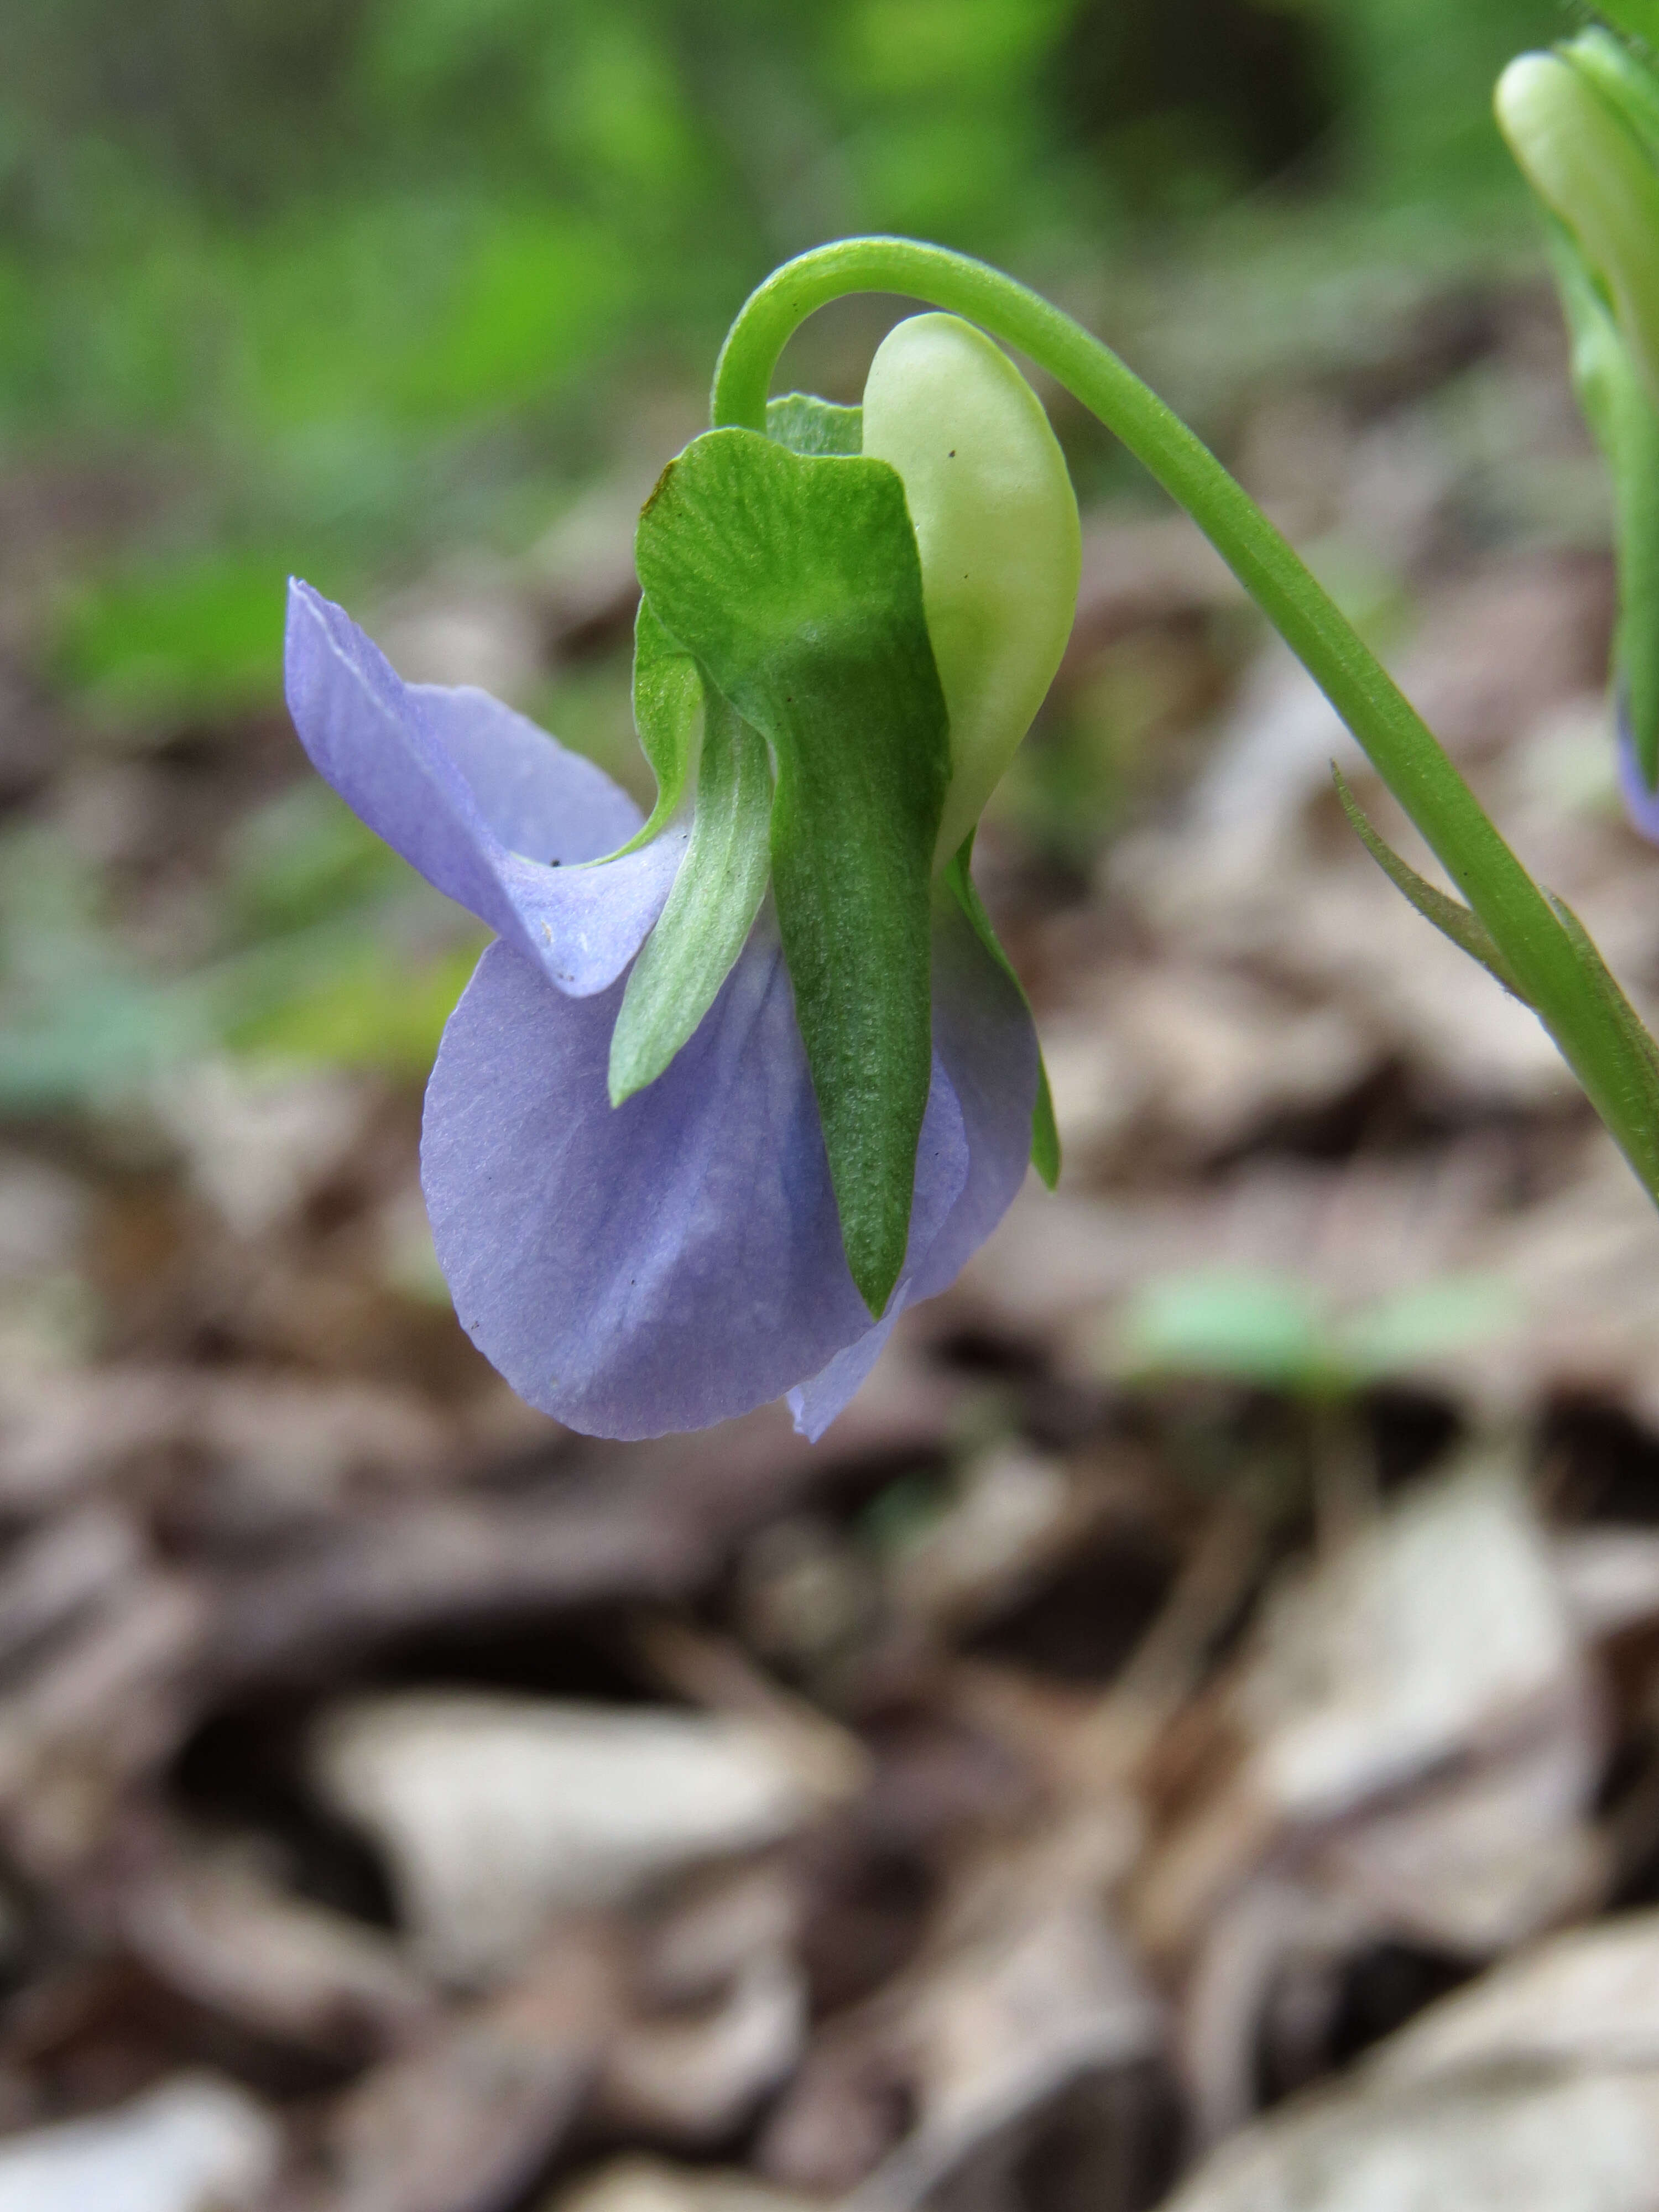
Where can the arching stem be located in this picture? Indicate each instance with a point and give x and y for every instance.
(1602, 1051)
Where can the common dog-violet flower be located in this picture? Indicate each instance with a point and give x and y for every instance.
(735, 1085)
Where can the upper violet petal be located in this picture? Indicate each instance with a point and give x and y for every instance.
(485, 804)
(535, 796)
(666, 1263)
(985, 1048)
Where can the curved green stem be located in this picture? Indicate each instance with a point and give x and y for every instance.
(1539, 948)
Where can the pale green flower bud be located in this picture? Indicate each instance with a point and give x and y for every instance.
(996, 525)
(1593, 173)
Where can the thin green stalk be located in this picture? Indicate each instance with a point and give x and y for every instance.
(1538, 948)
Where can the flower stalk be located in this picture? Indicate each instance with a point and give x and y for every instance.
(1543, 950)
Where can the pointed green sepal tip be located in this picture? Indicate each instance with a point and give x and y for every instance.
(1045, 1130)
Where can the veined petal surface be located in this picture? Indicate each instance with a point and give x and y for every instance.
(666, 1263)
(494, 812)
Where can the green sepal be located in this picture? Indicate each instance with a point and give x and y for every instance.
(1625, 422)
(1449, 915)
(716, 895)
(808, 425)
(795, 581)
(668, 699)
(957, 874)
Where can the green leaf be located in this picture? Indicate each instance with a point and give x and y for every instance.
(1450, 915)
(1273, 1332)
(807, 425)
(795, 581)
(1045, 1132)
(668, 701)
(1260, 1330)
(717, 893)
(1626, 425)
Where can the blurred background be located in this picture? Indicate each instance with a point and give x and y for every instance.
(1190, 1732)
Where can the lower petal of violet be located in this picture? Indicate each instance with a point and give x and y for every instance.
(985, 1048)
(663, 1264)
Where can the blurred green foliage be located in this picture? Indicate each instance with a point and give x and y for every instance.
(1276, 1333)
(265, 218)
(338, 284)
(346, 268)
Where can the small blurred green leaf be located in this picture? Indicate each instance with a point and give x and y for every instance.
(205, 637)
(375, 1009)
(1275, 1332)
(1263, 1330)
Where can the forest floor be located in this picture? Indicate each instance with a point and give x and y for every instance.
(1189, 1733)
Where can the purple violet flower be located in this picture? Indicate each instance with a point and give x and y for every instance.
(683, 1256)
(663, 1264)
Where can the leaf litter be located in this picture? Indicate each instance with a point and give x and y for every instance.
(1189, 1735)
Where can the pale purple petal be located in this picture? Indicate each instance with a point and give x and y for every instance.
(814, 1404)
(485, 804)
(536, 796)
(664, 1264)
(1640, 804)
(984, 1047)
